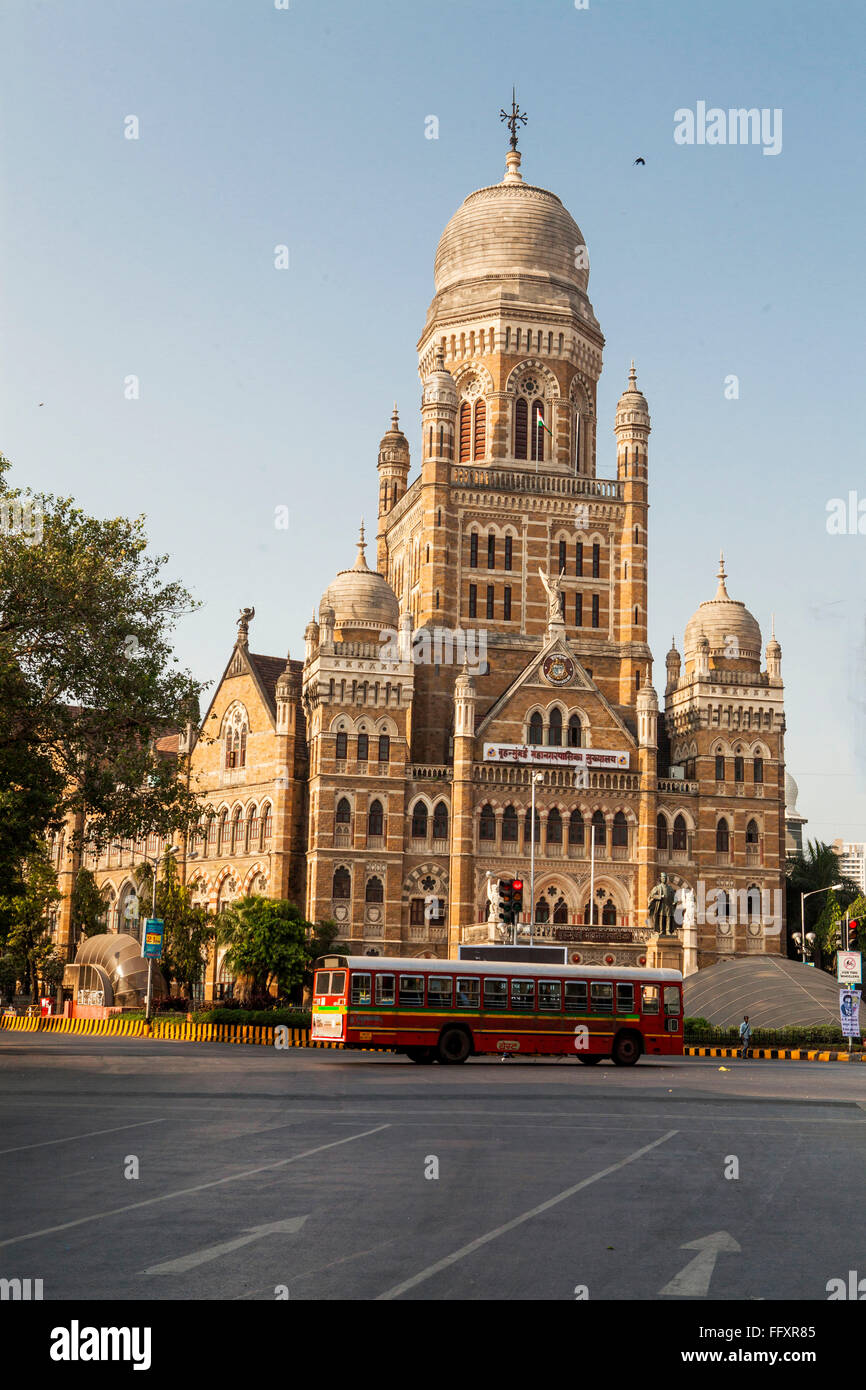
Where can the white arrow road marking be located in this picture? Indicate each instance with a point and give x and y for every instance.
(694, 1280)
(200, 1257)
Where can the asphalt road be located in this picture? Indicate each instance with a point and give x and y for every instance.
(310, 1175)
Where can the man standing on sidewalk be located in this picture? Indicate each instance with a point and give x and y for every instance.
(745, 1035)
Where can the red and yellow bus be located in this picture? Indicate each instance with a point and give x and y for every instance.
(448, 1010)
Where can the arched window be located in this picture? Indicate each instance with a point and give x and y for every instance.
(680, 835)
(419, 821)
(235, 734)
(723, 906)
(661, 832)
(608, 914)
(374, 892)
(753, 903)
(342, 885)
(521, 412)
(487, 825)
(536, 728)
(375, 819)
(554, 827)
(267, 824)
(752, 833)
(221, 832)
(600, 829)
(560, 911)
(491, 550)
(440, 821)
(575, 732)
(363, 747)
(554, 728)
(619, 833)
(758, 767)
(342, 746)
(479, 441)
(252, 833)
(509, 826)
(538, 432)
(542, 911)
(236, 840)
(527, 826)
(575, 828)
(384, 748)
(344, 812)
(465, 432)
(723, 843)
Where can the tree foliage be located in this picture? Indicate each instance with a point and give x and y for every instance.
(87, 906)
(28, 942)
(816, 868)
(267, 943)
(188, 928)
(88, 681)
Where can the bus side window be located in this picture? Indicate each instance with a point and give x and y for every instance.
(338, 982)
(601, 997)
(323, 980)
(575, 996)
(384, 989)
(549, 996)
(625, 999)
(496, 994)
(523, 996)
(672, 1000)
(360, 992)
(468, 992)
(650, 1001)
(411, 990)
(440, 989)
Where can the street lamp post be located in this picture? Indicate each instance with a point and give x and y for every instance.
(537, 777)
(154, 860)
(832, 888)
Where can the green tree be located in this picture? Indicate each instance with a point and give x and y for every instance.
(88, 681)
(267, 943)
(29, 941)
(9, 975)
(816, 868)
(188, 928)
(87, 906)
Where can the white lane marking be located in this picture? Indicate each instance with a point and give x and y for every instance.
(200, 1257)
(70, 1138)
(186, 1191)
(519, 1220)
(694, 1280)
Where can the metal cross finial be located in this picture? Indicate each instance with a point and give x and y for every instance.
(511, 119)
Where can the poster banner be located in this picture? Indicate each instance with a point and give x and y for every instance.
(849, 1013)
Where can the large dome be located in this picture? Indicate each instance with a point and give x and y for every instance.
(516, 242)
(361, 597)
(733, 633)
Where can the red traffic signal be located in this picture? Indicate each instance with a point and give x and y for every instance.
(853, 928)
(516, 898)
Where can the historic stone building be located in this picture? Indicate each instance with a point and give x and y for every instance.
(500, 646)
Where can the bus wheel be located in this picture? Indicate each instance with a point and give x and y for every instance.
(626, 1049)
(420, 1054)
(589, 1059)
(454, 1046)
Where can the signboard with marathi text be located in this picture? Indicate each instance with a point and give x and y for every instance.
(610, 758)
(154, 928)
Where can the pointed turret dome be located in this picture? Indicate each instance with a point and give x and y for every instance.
(361, 598)
(632, 408)
(732, 633)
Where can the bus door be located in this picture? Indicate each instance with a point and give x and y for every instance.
(329, 1006)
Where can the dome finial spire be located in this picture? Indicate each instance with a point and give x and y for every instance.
(361, 562)
(632, 377)
(721, 592)
(513, 118)
(395, 422)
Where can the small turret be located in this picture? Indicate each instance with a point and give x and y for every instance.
(632, 429)
(774, 656)
(647, 713)
(394, 464)
(673, 666)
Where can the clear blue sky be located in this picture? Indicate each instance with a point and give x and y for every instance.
(260, 388)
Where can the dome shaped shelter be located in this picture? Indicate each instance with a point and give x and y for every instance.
(111, 964)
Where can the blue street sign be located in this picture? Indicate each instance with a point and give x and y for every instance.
(154, 930)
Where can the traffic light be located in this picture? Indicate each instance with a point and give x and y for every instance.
(853, 930)
(516, 899)
(506, 899)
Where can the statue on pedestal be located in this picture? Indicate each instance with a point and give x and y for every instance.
(553, 589)
(661, 907)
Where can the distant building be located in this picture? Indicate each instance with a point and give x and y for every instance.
(852, 861)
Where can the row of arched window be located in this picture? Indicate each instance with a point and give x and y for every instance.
(739, 769)
(578, 828)
(374, 890)
(573, 733)
(472, 430)
(421, 819)
(235, 834)
(381, 744)
(724, 835)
